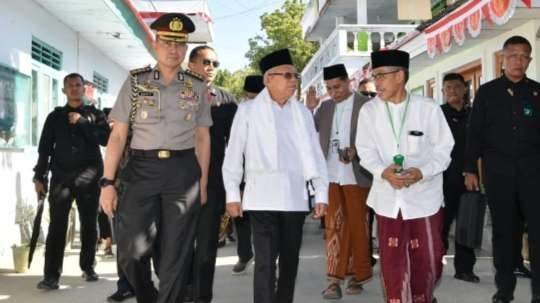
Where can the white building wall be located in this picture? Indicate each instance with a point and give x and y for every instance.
(485, 52)
(19, 21)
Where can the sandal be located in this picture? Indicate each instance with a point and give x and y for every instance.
(354, 287)
(332, 292)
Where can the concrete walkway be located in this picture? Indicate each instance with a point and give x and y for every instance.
(21, 288)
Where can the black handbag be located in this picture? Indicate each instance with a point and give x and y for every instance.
(470, 219)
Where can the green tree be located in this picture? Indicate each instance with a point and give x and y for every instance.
(282, 30)
(233, 82)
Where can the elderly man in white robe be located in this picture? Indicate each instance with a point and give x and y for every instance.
(405, 142)
(276, 135)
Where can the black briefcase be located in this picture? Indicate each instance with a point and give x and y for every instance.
(470, 219)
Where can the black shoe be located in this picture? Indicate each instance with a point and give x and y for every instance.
(240, 267)
(48, 284)
(120, 296)
(90, 275)
(498, 298)
(467, 277)
(523, 272)
(373, 261)
(221, 243)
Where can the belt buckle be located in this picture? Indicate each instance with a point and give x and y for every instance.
(164, 154)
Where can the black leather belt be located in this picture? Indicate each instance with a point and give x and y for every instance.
(161, 153)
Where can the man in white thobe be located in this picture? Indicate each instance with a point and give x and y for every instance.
(276, 135)
(405, 142)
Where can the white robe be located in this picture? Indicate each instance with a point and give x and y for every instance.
(376, 146)
(281, 151)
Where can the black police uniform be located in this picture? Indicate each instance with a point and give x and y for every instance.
(71, 152)
(504, 131)
(454, 185)
(223, 108)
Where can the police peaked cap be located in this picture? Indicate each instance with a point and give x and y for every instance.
(335, 71)
(173, 27)
(391, 57)
(254, 84)
(277, 58)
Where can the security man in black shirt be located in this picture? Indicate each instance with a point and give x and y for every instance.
(456, 111)
(203, 61)
(504, 131)
(69, 148)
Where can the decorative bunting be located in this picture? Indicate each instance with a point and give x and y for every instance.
(469, 16)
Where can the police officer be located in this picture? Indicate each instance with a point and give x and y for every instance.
(164, 181)
(504, 132)
(203, 61)
(456, 111)
(69, 148)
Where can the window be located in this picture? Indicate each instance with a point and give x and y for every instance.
(46, 54)
(101, 83)
(14, 108)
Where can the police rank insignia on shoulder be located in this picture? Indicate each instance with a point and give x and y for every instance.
(194, 74)
(140, 70)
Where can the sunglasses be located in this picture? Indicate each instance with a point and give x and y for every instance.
(369, 94)
(207, 62)
(288, 76)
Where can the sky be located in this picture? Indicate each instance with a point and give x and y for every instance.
(235, 21)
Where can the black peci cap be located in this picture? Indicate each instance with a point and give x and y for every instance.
(277, 58)
(335, 71)
(254, 84)
(392, 57)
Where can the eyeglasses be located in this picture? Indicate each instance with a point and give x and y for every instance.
(287, 76)
(381, 76)
(369, 94)
(207, 62)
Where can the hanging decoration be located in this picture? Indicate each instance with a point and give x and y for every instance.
(468, 19)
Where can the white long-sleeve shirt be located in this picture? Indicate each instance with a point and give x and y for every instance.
(376, 146)
(339, 172)
(266, 135)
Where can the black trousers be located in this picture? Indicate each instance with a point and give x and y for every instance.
(159, 207)
(371, 220)
(510, 200)
(201, 277)
(276, 234)
(81, 186)
(453, 188)
(243, 232)
(123, 285)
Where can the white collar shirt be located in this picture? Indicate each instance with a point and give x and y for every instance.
(339, 172)
(430, 152)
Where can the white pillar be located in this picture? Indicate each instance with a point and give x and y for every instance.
(361, 12)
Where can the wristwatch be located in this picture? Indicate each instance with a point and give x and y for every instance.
(104, 182)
